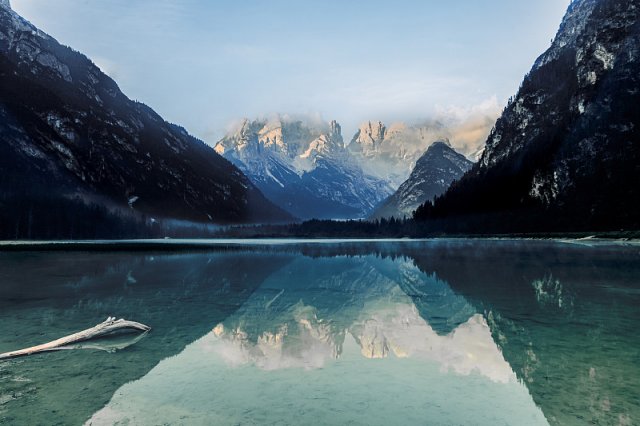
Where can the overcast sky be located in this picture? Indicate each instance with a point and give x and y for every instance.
(205, 63)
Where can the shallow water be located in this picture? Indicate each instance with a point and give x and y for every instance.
(409, 332)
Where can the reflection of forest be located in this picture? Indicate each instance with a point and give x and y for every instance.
(565, 318)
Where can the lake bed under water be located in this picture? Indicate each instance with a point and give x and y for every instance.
(345, 332)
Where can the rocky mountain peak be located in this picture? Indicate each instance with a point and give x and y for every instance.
(571, 28)
(434, 172)
(335, 131)
(390, 153)
(369, 136)
(302, 165)
(272, 135)
(440, 143)
(5, 3)
(564, 153)
(329, 144)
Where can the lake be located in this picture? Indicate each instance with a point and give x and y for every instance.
(442, 332)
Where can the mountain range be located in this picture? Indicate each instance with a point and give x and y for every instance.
(391, 152)
(81, 160)
(307, 168)
(303, 167)
(565, 153)
(77, 154)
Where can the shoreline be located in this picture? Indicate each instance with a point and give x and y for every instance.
(173, 245)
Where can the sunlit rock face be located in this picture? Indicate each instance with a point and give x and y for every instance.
(368, 139)
(565, 153)
(304, 167)
(282, 135)
(392, 152)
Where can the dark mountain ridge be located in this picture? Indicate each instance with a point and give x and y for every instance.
(71, 141)
(565, 154)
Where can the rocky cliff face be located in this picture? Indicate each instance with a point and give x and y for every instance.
(391, 152)
(565, 154)
(68, 132)
(303, 167)
(434, 172)
(369, 137)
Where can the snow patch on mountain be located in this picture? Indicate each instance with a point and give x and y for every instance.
(304, 167)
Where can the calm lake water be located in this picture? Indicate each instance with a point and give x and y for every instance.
(445, 332)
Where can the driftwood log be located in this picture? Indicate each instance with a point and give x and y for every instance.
(109, 326)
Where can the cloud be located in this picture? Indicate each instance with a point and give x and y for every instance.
(390, 92)
(470, 126)
(466, 127)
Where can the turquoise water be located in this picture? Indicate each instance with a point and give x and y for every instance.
(408, 332)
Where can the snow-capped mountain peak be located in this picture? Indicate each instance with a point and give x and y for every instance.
(330, 144)
(368, 137)
(303, 167)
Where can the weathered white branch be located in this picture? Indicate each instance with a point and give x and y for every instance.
(107, 327)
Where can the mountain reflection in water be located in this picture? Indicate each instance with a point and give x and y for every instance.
(442, 332)
(284, 332)
(317, 317)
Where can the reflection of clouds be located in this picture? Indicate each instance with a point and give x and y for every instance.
(381, 330)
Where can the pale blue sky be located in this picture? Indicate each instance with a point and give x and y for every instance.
(203, 64)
